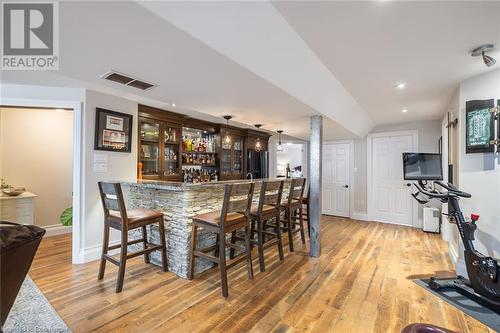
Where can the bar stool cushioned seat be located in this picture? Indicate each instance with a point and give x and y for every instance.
(214, 218)
(136, 216)
(266, 209)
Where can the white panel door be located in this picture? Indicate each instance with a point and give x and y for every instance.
(335, 196)
(391, 200)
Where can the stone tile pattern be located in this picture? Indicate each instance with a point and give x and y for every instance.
(179, 207)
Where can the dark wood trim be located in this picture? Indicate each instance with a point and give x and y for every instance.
(159, 114)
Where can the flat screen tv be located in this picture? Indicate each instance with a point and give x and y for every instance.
(422, 166)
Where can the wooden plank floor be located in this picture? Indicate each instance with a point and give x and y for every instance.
(361, 283)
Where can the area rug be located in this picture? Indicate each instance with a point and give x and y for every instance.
(467, 305)
(32, 312)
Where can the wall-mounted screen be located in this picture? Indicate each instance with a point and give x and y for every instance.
(422, 166)
(480, 128)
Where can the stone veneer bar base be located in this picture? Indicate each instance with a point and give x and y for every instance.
(179, 202)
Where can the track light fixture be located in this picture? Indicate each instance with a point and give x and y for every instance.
(481, 51)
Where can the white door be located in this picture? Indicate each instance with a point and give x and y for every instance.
(335, 196)
(390, 199)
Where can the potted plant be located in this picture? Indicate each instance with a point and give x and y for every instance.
(67, 217)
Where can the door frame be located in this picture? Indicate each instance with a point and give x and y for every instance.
(369, 171)
(77, 107)
(351, 173)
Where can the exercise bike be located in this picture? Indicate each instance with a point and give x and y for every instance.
(483, 285)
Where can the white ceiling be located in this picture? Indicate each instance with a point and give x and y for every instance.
(347, 58)
(371, 46)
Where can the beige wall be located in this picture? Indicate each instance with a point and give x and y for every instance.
(36, 152)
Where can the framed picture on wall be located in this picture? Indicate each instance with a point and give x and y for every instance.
(113, 131)
(480, 126)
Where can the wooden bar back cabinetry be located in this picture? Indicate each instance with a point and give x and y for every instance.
(160, 146)
(161, 152)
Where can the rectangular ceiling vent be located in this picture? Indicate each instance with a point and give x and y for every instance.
(127, 80)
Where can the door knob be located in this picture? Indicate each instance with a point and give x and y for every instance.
(408, 184)
(346, 186)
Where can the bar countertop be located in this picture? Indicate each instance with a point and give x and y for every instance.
(180, 186)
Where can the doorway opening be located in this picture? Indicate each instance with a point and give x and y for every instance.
(291, 162)
(37, 154)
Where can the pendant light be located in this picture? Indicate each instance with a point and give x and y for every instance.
(227, 138)
(280, 146)
(258, 144)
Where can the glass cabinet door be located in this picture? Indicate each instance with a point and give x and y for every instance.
(171, 140)
(172, 135)
(237, 155)
(150, 140)
(226, 145)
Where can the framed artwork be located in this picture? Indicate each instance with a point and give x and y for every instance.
(113, 131)
(480, 126)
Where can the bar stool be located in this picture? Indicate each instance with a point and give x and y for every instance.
(267, 209)
(234, 216)
(293, 204)
(306, 213)
(117, 217)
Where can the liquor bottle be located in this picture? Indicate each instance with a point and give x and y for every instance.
(207, 148)
(288, 171)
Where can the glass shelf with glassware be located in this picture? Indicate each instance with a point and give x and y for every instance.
(197, 140)
(159, 147)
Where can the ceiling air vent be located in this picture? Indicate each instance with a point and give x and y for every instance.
(127, 80)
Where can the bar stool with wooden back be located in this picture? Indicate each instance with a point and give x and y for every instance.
(306, 215)
(234, 216)
(292, 205)
(117, 217)
(267, 209)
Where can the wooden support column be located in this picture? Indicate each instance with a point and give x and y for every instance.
(315, 161)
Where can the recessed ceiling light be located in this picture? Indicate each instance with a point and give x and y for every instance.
(401, 85)
(173, 104)
(404, 110)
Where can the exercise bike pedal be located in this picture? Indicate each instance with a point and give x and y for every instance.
(436, 283)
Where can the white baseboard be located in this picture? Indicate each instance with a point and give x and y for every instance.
(57, 229)
(360, 216)
(92, 253)
(453, 254)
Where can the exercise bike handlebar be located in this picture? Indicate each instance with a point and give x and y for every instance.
(433, 194)
(452, 191)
